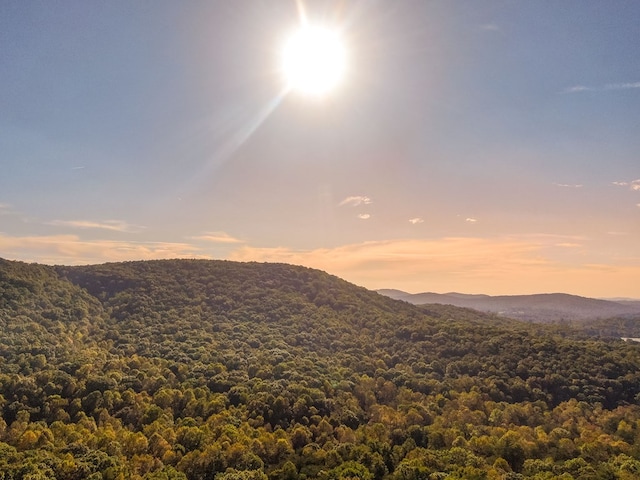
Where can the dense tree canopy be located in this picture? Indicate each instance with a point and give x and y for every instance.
(191, 369)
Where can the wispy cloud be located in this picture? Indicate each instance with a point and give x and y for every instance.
(527, 264)
(6, 209)
(401, 253)
(603, 88)
(633, 185)
(501, 265)
(622, 86)
(217, 237)
(72, 250)
(364, 216)
(569, 185)
(416, 221)
(470, 220)
(111, 225)
(355, 201)
(490, 27)
(577, 88)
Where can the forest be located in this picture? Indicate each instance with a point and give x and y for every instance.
(203, 370)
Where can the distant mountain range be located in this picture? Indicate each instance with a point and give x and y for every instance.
(549, 307)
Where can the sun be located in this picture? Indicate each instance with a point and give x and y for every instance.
(313, 61)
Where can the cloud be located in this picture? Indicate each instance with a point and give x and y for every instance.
(501, 265)
(577, 88)
(71, 250)
(633, 185)
(415, 221)
(490, 27)
(622, 86)
(364, 216)
(217, 237)
(373, 255)
(112, 225)
(356, 201)
(569, 185)
(470, 220)
(609, 86)
(6, 209)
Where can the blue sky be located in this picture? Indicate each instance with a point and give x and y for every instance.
(482, 147)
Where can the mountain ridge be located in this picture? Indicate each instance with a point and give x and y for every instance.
(544, 307)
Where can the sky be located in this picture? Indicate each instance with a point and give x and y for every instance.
(472, 146)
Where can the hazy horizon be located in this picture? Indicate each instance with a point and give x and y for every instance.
(472, 147)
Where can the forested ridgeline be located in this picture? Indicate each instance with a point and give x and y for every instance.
(211, 369)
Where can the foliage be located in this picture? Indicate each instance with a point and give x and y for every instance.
(191, 369)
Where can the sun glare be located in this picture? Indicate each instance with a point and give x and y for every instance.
(313, 61)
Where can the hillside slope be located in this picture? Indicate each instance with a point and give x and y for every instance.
(199, 369)
(42, 314)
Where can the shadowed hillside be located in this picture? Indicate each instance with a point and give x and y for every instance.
(210, 369)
